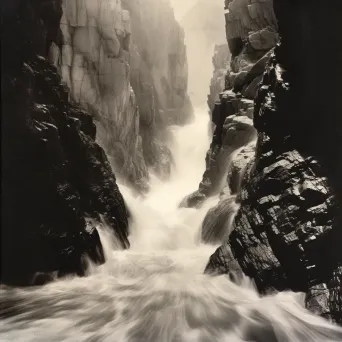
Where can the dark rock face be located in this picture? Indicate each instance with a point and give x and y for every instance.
(56, 180)
(288, 228)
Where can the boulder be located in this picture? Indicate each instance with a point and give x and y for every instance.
(264, 39)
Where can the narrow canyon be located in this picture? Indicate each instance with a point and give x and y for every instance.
(171, 171)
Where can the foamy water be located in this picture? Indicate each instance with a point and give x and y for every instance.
(156, 291)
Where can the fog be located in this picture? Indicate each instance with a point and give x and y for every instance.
(204, 26)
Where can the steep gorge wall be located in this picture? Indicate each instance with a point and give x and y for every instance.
(132, 86)
(159, 76)
(57, 184)
(285, 234)
(251, 35)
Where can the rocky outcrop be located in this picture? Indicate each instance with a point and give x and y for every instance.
(133, 87)
(57, 183)
(251, 29)
(221, 60)
(233, 130)
(159, 77)
(245, 22)
(286, 232)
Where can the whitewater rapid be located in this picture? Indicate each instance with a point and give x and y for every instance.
(156, 291)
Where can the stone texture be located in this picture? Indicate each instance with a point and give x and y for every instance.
(287, 231)
(239, 167)
(220, 62)
(244, 16)
(251, 33)
(94, 63)
(233, 130)
(264, 39)
(106, 60)
(57, 184)
(286, 220)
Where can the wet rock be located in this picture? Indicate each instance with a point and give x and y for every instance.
(234, 129)
(238, 131)
(286, 232)
(194, 200)
(239, 167)
(54, 174)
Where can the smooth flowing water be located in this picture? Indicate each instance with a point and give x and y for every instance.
(156, 291)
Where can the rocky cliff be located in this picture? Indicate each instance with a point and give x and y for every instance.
(286, 232)
(57, 183)
(251, 35)
(220, 61)
(133, 87)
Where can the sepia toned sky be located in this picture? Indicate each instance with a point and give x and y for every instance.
(182, 6)
(204, 26)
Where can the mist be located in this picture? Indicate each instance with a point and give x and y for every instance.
(204, 27)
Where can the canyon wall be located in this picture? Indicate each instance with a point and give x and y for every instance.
(251, 36)
(220, 62)
(57, 184)
(133, 87)
(286, 231)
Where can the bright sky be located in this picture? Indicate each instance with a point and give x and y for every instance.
(182, 6)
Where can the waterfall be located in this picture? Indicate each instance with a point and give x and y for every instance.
(156, 291)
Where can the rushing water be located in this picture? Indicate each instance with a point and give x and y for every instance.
(156, 291)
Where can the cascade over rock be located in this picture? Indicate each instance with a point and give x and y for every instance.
(57, 183)
(286, 232)
(133, 87)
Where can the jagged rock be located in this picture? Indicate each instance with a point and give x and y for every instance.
(264, 39)
(238, 131)
(94, 64)
(287, 211)
(239, 79)
(286, 232)
(220, 61)
(250, 91)
(243, 16)
(56, 180)
(165, 67)
(106, 60)
(239, 166)
(234, 129)
(264, 240)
